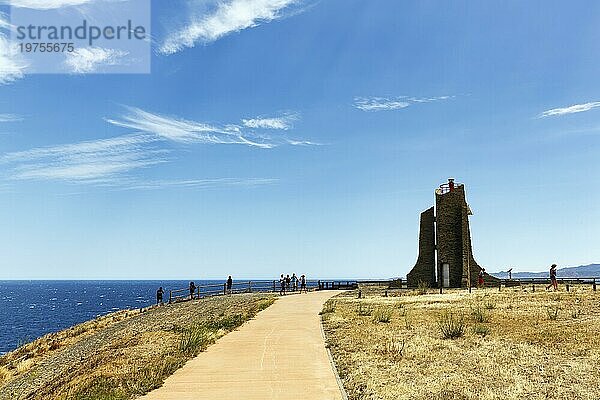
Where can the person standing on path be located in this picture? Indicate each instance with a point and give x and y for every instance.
(553, 282)
(303, 284)
(229, 284)
(192, 290)
(287, 282)
(294, 282)
(159, 296)
(282, 285)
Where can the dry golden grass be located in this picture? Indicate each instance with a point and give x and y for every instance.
(515, 345)
(27, 355)
(122, 356)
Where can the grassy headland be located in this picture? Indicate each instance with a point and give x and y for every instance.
(122, 355)
(486, 345)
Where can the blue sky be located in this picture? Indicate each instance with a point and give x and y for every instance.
(306, 136)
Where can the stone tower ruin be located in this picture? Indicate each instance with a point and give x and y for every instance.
(445, 253)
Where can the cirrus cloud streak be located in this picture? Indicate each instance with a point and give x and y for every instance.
(576, 108)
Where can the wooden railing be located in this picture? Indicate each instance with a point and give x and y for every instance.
(337, 285)
(218, 289)
(567, 282)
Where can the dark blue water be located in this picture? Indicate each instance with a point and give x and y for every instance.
(30, 309)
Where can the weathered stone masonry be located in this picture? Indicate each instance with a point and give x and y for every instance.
(447, 232)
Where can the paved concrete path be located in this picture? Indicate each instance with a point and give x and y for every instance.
(278, 355)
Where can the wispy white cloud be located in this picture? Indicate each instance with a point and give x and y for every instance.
(114, 161)
(197, 183)
(4, 21)
(576, 108)
(10, 118)
(283, 122)
(427, 99)
(227, 17)
(379, 103)
(186, 131)
(181, 130)
(91, 59)
(392, 103)
(89, 161)
(12, 64)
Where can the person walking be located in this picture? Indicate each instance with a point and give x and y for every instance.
(303, 284)
(229, 284)
(159, 296)
(553, 281)
(192, 290)
(294, 282)
(287, 282)
(282, 285)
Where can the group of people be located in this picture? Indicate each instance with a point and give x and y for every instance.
(290, 284)
(287, 284)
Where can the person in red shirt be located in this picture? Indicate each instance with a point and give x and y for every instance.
(480, 281)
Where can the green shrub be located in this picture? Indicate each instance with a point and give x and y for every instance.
(552, 313)
(228, 323)
(195, 339)
(383, 314)
(394, 348)
(328, 307)
(364, 310)
(262, 304)
(479, 315)
(481, 330)
(490, 305)
(451, 325)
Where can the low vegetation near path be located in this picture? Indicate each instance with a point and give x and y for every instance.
(485, 345)
(123, 355)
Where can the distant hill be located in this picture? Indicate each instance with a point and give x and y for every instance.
(583, 271)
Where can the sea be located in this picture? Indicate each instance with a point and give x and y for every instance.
(31, 309)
